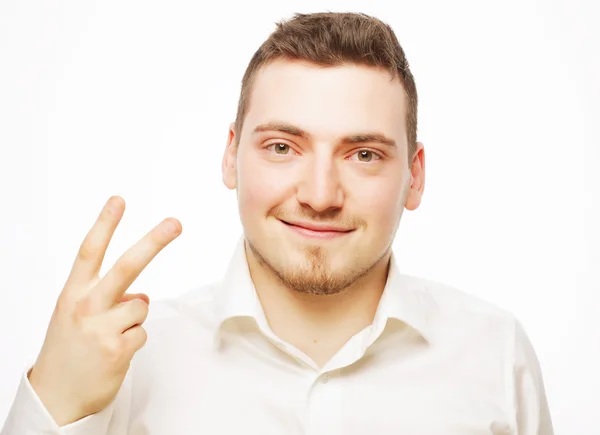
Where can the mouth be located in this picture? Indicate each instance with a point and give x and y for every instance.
(317, 231)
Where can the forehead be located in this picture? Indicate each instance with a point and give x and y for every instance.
(328, 101)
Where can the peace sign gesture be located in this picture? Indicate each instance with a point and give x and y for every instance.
(96, 328)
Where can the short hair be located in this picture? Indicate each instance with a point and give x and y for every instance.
(334, 39)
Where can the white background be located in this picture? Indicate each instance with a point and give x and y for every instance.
(135, 98)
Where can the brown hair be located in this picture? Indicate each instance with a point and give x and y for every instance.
(332, 39)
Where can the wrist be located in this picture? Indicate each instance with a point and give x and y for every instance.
(63, 412)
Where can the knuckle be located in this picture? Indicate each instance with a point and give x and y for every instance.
(138, 309)
(113, 349)
(140, 338)
(140, 305)
(143, 336)
(125, 266)
(133, 340)
(88, 250)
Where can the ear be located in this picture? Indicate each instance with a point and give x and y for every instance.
(229, 165)
(417, 171)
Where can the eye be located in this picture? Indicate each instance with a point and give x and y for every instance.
(365, 156)
(280, 148)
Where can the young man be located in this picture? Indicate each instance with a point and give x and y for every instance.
(313, 330)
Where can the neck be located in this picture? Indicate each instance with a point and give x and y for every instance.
(315, 324)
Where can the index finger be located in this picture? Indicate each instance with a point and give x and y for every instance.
(91, 253)
(129, 266)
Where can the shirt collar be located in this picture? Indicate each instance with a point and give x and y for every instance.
(405, 298)
(237, 297)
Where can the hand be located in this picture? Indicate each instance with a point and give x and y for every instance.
(96, 328)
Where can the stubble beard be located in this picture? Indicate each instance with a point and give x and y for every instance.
(315, 276)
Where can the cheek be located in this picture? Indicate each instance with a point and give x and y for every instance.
(259, 187)
(382, 203)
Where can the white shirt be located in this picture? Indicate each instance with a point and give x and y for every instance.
(435, 361)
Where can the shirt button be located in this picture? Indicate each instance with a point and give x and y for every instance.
(325, 379)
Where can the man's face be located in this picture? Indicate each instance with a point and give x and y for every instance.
(321, 172)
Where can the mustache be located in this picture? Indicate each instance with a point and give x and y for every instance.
(334, 217)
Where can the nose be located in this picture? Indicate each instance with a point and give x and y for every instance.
(320, 187)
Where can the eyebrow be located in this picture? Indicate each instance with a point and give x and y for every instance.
(356, 138)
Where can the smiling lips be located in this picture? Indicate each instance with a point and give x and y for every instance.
(317, 231)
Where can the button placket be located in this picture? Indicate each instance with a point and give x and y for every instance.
(324, 414)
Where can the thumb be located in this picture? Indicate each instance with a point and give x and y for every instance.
(131, 296)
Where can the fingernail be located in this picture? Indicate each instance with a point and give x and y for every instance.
(114, 204)
(171, 226)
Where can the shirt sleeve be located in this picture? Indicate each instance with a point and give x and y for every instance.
(532, 411)
(28, 416)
